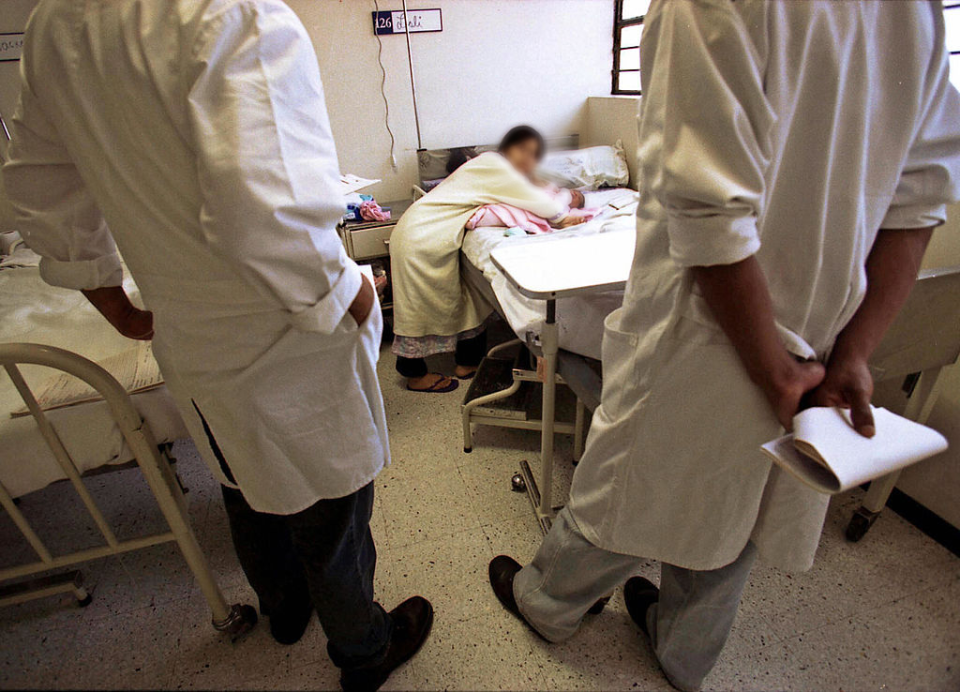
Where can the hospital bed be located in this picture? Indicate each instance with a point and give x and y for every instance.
(44, 330)
(565, 332)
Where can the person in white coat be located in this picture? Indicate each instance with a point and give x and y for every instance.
(795, 158)
(194, 134)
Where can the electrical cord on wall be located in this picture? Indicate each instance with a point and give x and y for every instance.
(383, 93)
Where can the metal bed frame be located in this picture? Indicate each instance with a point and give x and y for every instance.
(579, 373)
(154, 463)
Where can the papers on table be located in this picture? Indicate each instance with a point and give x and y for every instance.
(351, 183)
(826, 453)
(135, 369)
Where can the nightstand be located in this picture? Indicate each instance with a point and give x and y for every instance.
(367, 240)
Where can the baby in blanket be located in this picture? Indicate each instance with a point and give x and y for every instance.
(508, 216)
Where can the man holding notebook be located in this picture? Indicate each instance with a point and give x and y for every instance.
(796, 157)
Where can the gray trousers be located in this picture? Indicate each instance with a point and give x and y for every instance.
(688, 626)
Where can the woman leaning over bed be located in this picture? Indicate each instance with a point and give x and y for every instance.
(434, 312)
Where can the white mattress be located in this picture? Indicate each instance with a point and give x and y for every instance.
(32, 311)
(580, 318)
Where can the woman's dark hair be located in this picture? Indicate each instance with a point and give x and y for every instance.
(519, 135)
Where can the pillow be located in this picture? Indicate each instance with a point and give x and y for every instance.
(590, 168)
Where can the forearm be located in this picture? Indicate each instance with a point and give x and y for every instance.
(892, 269)
(740, 301)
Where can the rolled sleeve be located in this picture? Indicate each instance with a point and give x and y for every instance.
(930, 178)
(915, 216)
(329, 311)
(706, 165)
(83, 275)
(712, 240)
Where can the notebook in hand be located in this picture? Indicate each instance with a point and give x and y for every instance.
(826, 453)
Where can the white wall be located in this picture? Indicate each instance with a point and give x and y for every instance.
(496, 63)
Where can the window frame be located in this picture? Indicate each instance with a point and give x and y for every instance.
(948, 7)
(619, 24)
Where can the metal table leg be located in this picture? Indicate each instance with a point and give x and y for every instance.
(921, 403)
(541, 494)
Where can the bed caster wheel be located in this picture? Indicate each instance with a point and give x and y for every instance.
(518, 484)
(598, 607)
(239, 622)
(860, 523)
(85, 601)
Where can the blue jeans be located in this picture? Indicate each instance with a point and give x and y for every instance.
(322, 556)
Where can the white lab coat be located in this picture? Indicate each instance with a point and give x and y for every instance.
(199, 131)
(789, 130)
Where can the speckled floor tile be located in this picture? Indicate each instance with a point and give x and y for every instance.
(485, 653)
(425, 510)
(450, 572)
(208, 660)
(135, 650)
(32, 657)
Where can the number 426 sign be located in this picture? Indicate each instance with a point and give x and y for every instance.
(11, 46)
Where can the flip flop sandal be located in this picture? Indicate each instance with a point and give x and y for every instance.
(437, 387)
(465, 377)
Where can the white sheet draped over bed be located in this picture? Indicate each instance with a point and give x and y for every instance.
(580, 318)
(32, 311)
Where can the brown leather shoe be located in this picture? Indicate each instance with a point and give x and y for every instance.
(412, 621)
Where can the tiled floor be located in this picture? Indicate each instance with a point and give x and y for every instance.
(884, 613)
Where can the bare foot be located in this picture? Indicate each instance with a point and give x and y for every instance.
(462, 371)
(430, 381)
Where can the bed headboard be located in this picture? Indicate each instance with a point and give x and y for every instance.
(436, 164)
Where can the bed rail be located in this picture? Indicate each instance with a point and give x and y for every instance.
(235, 620)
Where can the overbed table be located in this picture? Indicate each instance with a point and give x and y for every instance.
(548, 271)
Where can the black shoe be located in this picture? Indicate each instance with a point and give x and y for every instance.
(639, 594)
(290, 620)
(503, 569)
(412, 621)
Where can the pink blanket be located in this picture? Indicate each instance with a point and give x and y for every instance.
(508, 216)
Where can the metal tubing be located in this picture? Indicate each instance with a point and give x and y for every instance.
(413, 79)
(549, 340)
(60, 453)
(21, 522)
(86, 555)
(579, 432)
(480, 401)
(140, 440)
(918, 409)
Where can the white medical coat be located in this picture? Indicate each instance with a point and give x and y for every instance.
(195, 134)
(789, 130)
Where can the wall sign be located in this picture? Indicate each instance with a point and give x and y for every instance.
(11, 46)
(421, 21)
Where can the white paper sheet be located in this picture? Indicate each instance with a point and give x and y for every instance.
(835, 457)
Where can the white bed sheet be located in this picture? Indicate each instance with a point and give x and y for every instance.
(580, 318)
(32, 311)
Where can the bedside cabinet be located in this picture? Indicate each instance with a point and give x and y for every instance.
(368, 240)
